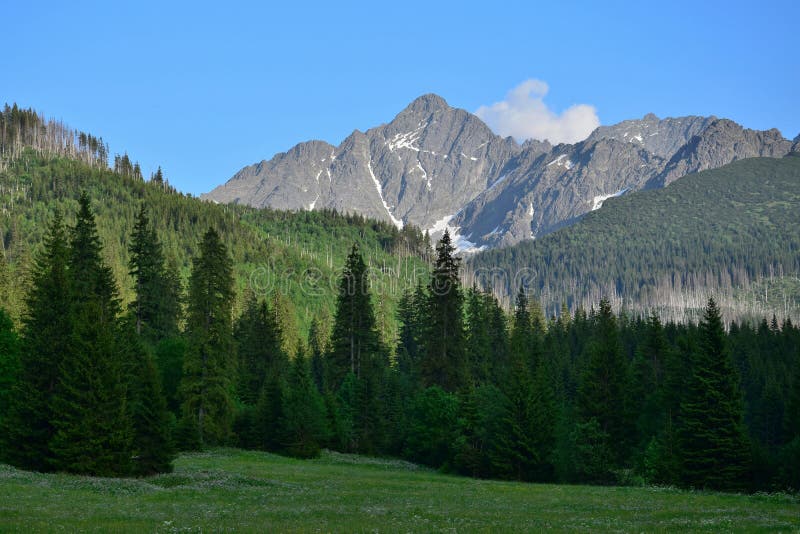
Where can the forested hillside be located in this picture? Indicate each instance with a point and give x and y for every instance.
(45, 166)
(145, 319)
(732, 232)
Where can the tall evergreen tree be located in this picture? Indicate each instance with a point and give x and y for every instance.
(9, 371)
(445, 359)
(209, 367)
(411, 314)
(602, 396)
(45, 336)
(354, 343)
(152, 449)
(89, 405)
(529, 418)
(319, 337)
(258, 340)
(303, 424)
(714, 448)
(156, 304)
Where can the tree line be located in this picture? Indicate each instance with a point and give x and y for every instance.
(590, 397)
(729, 231)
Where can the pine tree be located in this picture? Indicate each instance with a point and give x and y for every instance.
(156, 304)
(303, 425)
(258, 340)
(319, 337)
(286, 318)
(602, 396)
(9, 372)
(354, 343)
(411, 314)
(478, 336)
(790, 454)
(89, 404)
(714, 448)
(45, 335)
(445, 360)
(208, 369)
(151, 444)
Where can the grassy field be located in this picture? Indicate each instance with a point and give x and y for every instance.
(231, 490)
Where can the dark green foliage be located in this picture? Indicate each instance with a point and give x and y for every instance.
(272, 250)
(9, 372)
(354, 346)
(486, 338)
(93, 430)
(303, 426)
(209, 367)
(714, 448)
(412, 316)
(186, 436)
(151, 445)
(584, 398)
(715, 231)
(318, 344)
(169, 362)
(605, 428)
(156, 305)
(269, 411)
(258, 343)
(444, 361)
(46, 332)
(432, 427)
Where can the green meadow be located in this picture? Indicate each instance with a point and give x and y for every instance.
(232, 490)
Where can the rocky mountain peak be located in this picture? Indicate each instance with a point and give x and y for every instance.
(428, 103)
(439, 167)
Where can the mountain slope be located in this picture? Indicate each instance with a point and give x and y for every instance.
(298, 255)
(439, 167)
(731, 231)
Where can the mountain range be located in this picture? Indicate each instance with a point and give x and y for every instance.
(438, 167)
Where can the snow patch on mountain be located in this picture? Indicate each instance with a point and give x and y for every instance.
(460, 242)
(597, 203)
(397, 222)
(406, 140)
(562, 161)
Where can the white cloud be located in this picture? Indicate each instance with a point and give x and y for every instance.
(524, 115)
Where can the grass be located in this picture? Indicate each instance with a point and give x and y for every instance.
(231, 490)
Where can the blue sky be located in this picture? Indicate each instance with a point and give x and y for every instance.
(203, 89)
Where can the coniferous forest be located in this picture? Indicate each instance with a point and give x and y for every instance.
(595, 397)
(110, 367)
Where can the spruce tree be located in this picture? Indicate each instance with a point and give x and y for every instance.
(9, 371)
(714, 447)
(208, 369)
(258, 341)
(89, 404)
(602, 399)
(479, 336)
(790, 453)
(303, 425)
(445, 360)
(411, 314)
(319, 344)
(354, 342)
(156, 304)
(152, 448)
(45, 335)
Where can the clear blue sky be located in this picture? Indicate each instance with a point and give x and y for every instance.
(204, 89)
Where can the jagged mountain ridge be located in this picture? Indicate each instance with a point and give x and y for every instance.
(440, 167)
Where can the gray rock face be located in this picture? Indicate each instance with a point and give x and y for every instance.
(796, 144)
(662, 137)
(438, 167)
(721, 142)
